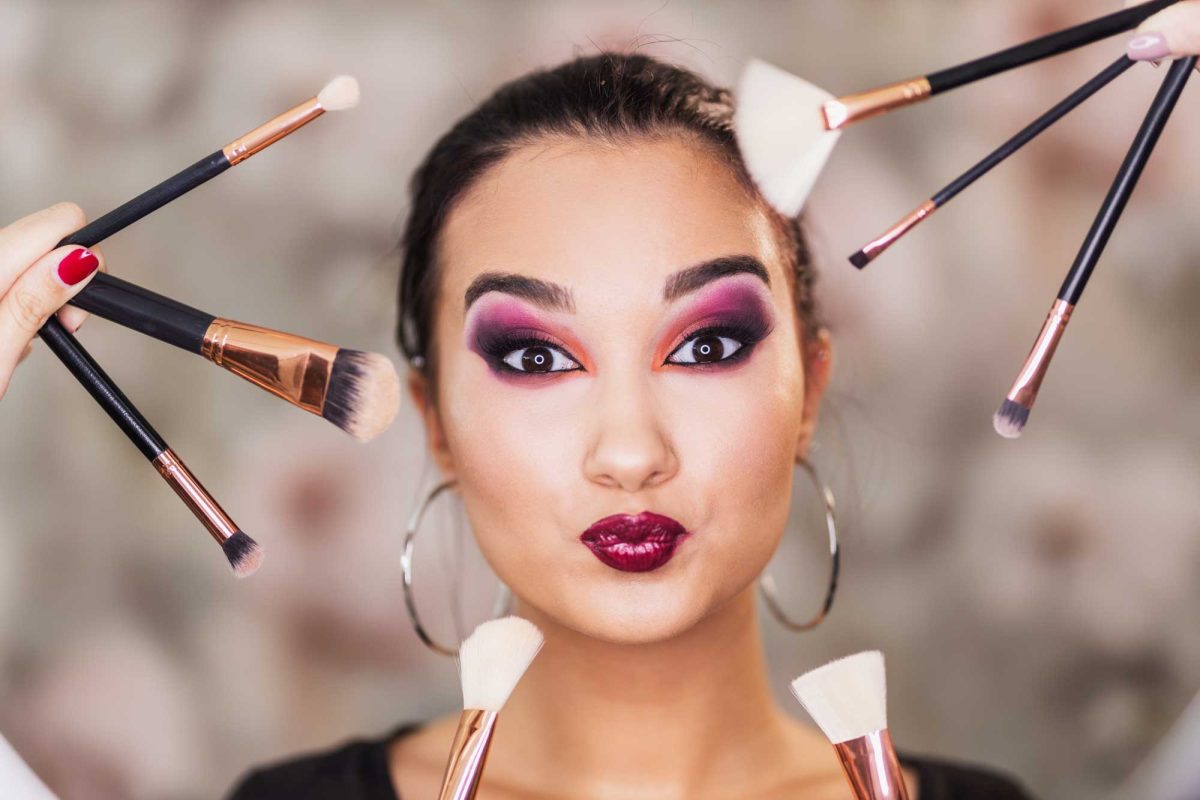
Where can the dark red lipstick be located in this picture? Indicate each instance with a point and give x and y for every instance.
(634, 543)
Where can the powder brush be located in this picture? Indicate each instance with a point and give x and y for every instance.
(811, 114)
(358, 392)
(492, 661)
(847, 699)
(17, 780)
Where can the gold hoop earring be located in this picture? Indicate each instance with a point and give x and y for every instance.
(766, 584)
(503, 601)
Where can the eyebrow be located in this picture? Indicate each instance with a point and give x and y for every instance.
(555, 297)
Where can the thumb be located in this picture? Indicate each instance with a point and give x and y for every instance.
(1174, 31)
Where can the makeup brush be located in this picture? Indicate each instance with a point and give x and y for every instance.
(340, 93)
(810, 113)
(1009, 421)
(491, 662)
(357, 391)
(17, 780)
(847, 699)
(875, 248)
(244, 554)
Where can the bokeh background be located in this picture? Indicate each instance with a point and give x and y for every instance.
(1037, 599)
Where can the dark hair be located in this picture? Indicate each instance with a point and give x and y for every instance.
(610, 96)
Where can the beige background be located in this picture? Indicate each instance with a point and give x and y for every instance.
(1037, 600)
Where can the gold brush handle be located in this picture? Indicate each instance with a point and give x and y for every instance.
(468, 754)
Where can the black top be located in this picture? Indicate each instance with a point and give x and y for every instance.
(358, 770)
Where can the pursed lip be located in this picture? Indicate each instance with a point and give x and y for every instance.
(634, 542)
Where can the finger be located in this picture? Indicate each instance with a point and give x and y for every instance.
(1174, 31)
(28, 238)
(37, 293)
(72, 317)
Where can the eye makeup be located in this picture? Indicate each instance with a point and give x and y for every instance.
(734, 310)
(502, 327)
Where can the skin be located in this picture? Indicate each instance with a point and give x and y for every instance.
(672, 656)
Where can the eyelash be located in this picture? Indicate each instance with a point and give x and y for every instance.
(748, 335)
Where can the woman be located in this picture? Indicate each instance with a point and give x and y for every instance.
(619, 360)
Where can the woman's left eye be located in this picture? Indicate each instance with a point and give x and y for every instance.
(539, 358)
(707, 348)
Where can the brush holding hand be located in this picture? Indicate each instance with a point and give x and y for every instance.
(1173, 32)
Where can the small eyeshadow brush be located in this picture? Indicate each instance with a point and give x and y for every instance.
(1009, 421)
(875, 248)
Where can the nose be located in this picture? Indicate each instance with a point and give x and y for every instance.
(630, 449)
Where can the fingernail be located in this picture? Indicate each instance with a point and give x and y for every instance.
(1147, 47)
(76, 266)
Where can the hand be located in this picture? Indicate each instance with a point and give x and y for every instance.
(36, 281)
(1171, 33)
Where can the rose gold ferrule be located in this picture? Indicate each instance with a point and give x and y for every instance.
(270, 132)
(195, 496)
(872, 767)
(857, 107)
(468, 754)
(1025, 388)
(289, 366)
(875, 247)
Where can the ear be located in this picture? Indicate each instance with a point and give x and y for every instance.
(421, 391)
(818, 365)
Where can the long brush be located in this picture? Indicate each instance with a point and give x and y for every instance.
(17, 780)
(492, 661)
(875, 247)
(1009, 421)
(847, 699)
(357, 391)
(243, 553)
(817, 114)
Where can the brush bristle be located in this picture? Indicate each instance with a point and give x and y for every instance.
(245, 555)
(847, 698)
(1010, 420)
(363, 395)
(17, 780)
(781, 134)
(339, 94)
(493, 659)
(860, 259)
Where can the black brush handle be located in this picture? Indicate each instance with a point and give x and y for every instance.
(144, 311)
(1028, 133)
(1045, 46)
(100, 386)
(149, 201)
(1127, 178)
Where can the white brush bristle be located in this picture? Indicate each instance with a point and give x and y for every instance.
(17, 780)
(339, 94)
(493, 659)
(847, 698)
(781, 133)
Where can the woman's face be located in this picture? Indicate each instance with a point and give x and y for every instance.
(615, 334)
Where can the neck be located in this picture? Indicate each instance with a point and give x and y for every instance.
(690, 716)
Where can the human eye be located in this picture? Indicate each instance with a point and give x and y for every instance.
(529, 354)
(716, 344)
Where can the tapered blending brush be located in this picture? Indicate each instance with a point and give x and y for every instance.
(875, 248)
(339, 94)
(492, 661)
(1009, 421)
(811, 114)
(847, 699)
(17, 780)
(357, 391)
(244, 554)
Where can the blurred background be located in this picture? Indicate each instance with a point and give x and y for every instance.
(1037, 599)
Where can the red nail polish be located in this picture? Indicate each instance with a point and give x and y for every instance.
(76, 266)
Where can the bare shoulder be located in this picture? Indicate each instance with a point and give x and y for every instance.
(416, 761)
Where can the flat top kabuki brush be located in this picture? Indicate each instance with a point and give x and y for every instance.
(785, 169)
(357, 391)
(1009, 421)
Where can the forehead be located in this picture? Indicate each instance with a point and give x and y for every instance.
(606, 219)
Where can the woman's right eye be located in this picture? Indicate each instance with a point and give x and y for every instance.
(539, 358)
